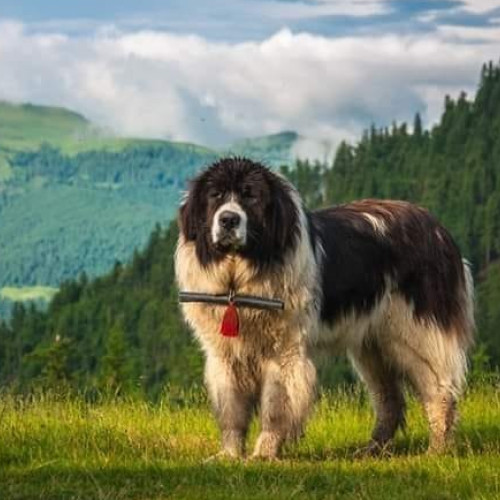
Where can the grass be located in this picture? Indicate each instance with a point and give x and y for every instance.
(67, 448)
(25, 126)
(21, 294)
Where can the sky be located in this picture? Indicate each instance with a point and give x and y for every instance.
(214, 71)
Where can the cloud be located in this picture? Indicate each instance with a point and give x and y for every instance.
(480, 6)
(471, 33)
(185, 87)
(319, 8)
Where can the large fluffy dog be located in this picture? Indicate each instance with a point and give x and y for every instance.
(382, 280)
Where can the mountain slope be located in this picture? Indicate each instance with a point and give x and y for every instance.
(74, 199)
(62, 215)
(26, 125)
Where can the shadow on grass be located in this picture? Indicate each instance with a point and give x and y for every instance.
(248, 480)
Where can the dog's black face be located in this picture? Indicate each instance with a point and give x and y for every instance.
(239, 206)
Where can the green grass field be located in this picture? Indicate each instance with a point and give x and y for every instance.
(66, 448)
(21, 294)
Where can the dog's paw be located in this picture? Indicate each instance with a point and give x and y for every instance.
(222, 456)
(258, 457)
(373, 449)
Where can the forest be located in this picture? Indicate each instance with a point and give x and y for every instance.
(122, 332)
(63, 214)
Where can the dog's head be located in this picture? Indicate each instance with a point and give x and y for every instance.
(239, 206)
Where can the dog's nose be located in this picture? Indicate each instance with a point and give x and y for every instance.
(229, 220)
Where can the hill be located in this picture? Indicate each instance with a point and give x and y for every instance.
(27, 125)
(63, 214)
(73, 199)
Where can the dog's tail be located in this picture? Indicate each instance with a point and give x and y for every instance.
(464, 329)
(467, 324)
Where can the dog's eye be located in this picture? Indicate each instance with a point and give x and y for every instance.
(215, 194)
(248, 194)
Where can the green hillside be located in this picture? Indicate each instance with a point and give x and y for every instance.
(63, 214)
(123, 330)
(27, 126)
(68, 231)
(74, 199)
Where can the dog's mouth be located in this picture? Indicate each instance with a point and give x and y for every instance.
(229, 241)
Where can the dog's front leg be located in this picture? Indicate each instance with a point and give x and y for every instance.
(232, 406)
(287, 394)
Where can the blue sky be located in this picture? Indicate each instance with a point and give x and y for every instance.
(239, 20)
(217, 70)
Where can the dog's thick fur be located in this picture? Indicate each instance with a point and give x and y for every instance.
(380, 280)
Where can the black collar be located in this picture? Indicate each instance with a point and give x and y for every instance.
(232, 298)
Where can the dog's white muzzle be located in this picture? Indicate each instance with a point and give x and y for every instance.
(229, 226)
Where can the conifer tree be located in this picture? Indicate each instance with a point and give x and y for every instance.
(115, 368)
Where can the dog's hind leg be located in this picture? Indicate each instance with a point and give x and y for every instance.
(441, 409)
(385, 388)
(435, 363)
(438, 385)
(287, 395)
(232, 406)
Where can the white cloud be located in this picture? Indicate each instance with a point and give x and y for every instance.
(428, 16)
(480, 6)
(302, 10)
(184, 87)
(465, 8)
(321, 149)
(471, 33)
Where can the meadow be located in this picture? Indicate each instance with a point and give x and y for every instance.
(66, 447)
(16, 294)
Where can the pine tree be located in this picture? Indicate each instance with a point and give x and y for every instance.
(56, 373)
(417, 126)
(115, 369)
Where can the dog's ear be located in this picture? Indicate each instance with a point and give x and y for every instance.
(284, 219)
(191, 212)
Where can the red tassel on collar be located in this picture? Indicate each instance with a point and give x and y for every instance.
(230, 325)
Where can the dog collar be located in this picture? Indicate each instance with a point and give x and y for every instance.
(230, 325)
(232, 298)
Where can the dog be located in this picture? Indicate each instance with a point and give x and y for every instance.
(382, 281)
